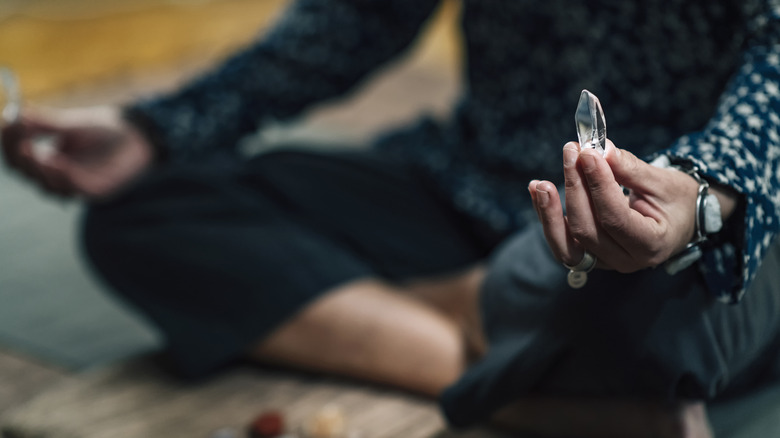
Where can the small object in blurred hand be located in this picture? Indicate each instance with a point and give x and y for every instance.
(329, 422)
(225, 432)
(591, 124)
(10, 96)
(44, 146)
(269, 424)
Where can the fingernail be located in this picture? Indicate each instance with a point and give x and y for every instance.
(570, 154)
(588, 162)
(542, 197)
(612, 149)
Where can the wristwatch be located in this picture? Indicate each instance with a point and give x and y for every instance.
(708, 219)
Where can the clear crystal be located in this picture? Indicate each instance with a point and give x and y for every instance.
(591, 124)
(10, 98)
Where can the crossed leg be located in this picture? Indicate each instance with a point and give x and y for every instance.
(417, 337)
(420, 337)
(164, 245)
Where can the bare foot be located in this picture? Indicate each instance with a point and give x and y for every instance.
(687, 420)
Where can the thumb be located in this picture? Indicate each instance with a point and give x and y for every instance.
(36, 122)
(20, 138)
(629, 170)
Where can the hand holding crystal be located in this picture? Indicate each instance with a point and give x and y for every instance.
(624, 232)
(89, 152)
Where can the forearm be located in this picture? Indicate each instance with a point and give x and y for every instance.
(318, 50)
(738, 149)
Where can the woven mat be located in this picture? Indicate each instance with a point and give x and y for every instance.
(137, 401)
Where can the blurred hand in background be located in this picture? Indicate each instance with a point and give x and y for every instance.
(84, 152)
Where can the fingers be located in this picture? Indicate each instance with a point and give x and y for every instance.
(11, 139)
(610, 203)
(55, 174)
(625, 234)
(89, 151)
(606, 195)
(636, 236)
(29, 146)
(591, 196)
(550, 212)
(628, 170)
(19, 139)
(578, 207)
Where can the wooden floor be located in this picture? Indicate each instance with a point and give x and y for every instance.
(136, 401)
(22, 378)
(60, 45)
(68, 50)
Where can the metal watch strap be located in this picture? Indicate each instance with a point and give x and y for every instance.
(692, 251)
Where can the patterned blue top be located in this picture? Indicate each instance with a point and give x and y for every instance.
(696, 79)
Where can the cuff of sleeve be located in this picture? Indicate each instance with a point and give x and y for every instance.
(149, 129)
(723, 263)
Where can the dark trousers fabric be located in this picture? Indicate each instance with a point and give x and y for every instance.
(641, 335)
(218, 254)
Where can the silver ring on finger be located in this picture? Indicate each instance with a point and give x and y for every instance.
(578, 274)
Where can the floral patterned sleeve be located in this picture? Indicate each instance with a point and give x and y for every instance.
(319, 49)
(740, 148)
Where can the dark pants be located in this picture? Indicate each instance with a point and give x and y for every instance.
(219, 254)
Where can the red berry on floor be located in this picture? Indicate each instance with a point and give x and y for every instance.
(268, 424)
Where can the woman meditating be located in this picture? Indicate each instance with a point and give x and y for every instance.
(419, 261)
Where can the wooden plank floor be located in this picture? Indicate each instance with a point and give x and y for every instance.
(135, 400)
(22, 379)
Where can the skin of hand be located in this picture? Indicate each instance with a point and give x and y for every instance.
(82, 152)
(626, 233)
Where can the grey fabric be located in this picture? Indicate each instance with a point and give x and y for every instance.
(753, 415)
(645, 334)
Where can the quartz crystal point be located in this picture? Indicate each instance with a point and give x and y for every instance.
(591, 125)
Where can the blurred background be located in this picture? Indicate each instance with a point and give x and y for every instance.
(79, 52)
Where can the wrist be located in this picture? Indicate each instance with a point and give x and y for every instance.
(709, 214)
(727, 198)
(147, 130)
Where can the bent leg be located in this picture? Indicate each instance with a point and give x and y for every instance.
(643, 336)
(283, 259)
(370, 330)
